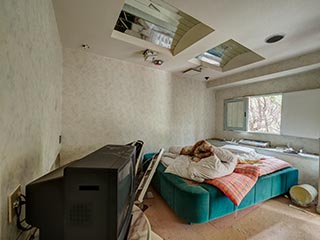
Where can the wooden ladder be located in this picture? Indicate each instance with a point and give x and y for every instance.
(147, 177)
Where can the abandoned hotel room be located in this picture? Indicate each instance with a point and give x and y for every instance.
(159, 119)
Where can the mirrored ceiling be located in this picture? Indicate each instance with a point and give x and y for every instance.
(228, 55)
(158, 22)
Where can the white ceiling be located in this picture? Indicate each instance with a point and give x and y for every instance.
(249, 22)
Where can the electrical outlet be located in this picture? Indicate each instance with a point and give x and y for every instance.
(12, 200)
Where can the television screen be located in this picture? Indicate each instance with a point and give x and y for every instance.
(125, 194)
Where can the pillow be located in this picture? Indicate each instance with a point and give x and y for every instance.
(210, 168)
(175, 149)
(236, 149)
(180, 167)
(167, 161)
(221, 164)
(170, 155)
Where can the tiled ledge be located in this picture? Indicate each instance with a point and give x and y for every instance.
(218, 142)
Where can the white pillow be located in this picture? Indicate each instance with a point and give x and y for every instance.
(167, 161)
(175, 149)
(180, 167)
(211, 167)
(221, 164)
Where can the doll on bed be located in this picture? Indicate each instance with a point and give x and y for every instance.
(201, 149)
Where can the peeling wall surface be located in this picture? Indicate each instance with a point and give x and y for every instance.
(30, 96)
(298, 82)
(107, 101)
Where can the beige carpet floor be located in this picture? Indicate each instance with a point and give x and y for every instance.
(273, 219)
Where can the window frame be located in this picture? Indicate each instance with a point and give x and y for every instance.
(244, 100)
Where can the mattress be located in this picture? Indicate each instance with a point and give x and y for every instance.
(203, 203)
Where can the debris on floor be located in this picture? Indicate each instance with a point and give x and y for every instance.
(302, 210)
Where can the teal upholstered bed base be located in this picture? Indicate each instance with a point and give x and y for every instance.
(200, 204)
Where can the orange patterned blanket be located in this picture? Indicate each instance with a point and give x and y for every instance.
(236, 185)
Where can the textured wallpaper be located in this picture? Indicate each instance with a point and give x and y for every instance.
(109, 101)
(30, 96)
(302, 81)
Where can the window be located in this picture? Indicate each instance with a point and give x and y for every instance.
(235, 114)
(264, 114)
(254, 114)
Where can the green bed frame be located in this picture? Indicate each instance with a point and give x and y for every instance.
(200, 204)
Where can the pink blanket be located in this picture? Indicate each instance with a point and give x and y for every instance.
(236, 185)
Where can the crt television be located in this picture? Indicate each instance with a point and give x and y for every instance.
(90, 198)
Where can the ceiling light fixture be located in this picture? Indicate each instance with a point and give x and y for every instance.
(150, 56)
(274, 38)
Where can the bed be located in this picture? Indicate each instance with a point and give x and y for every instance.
(200, 203)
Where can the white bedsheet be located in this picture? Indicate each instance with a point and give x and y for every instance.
(243, 154)
(221, 164)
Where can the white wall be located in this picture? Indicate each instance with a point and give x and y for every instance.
(300, 114)
(303, 81)
(109, 101)
(30, 96)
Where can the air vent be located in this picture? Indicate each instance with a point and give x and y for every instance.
(274, 38)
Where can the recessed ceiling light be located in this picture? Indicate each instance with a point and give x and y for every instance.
(274, 38)
(158, 62)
